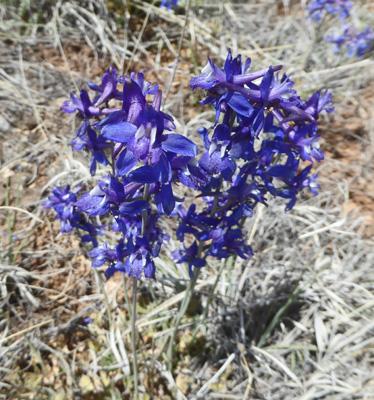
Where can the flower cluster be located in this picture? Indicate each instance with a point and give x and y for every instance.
(354, 42)
(168, 3)
(258, 149)
(63, 201)
(318, 8)
(262, 138)
(146, 157)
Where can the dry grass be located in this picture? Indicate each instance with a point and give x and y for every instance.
(295, 322)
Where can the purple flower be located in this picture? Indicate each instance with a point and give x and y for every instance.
(226, 88)
(168, 3)
(103, 254)
(217, 157)
(356, 43)
(231, 90)
(63, 202)
(135, 252)
(140, 260)
(304, 139)
(94, 144)
(187, 171)
(146, 87)
(189, 255)
(229, 242)
(317, 8)
(295, 182)
(108, 88)
(84, 106)
(141, 127)
(111, 195)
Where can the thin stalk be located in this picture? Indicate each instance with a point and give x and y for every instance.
(102, 289)
(182, 311)
(228, 262)
(145, 213)
(133, 337)
(133, 309)
(188, 7)
(112, 164)
(190, 288)
(9, 220)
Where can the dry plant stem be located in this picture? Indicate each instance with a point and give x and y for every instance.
(102, 289)
(189, 290)
(138, 40)
(133, 337)
(133, 310)
(228, 262)
(181, 313)
(178, 52)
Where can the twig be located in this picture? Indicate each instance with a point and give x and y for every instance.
(133, 337)
(178, 52)
(26, 330)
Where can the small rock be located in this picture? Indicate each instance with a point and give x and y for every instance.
(4, 124)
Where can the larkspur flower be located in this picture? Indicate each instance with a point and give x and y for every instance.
(217, 157)
(108, 88)
(111, 195)
(226, 88)
(258, 149)
(168, 3)
(232, 91)
(135, 252)
(63, 201)
(94, 144)
(356, 43)
(318, 8)
(189, 255)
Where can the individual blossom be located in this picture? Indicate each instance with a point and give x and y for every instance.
(86, 109)
(189, 255)
(63, 202)
(111, 195)
(229, 242)
(217, 157)
(94, 144)
(168, 3)
(108, 88)
(186, 170)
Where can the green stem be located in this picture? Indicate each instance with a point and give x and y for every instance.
(145, 212)
(228, 262)
(182, 311)
(133, 337)
(102, 289)
(133, 310)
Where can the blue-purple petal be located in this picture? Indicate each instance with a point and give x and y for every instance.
(120, 132)
(135, 207)
(179, 144)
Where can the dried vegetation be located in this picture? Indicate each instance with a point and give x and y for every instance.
(295, 322)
